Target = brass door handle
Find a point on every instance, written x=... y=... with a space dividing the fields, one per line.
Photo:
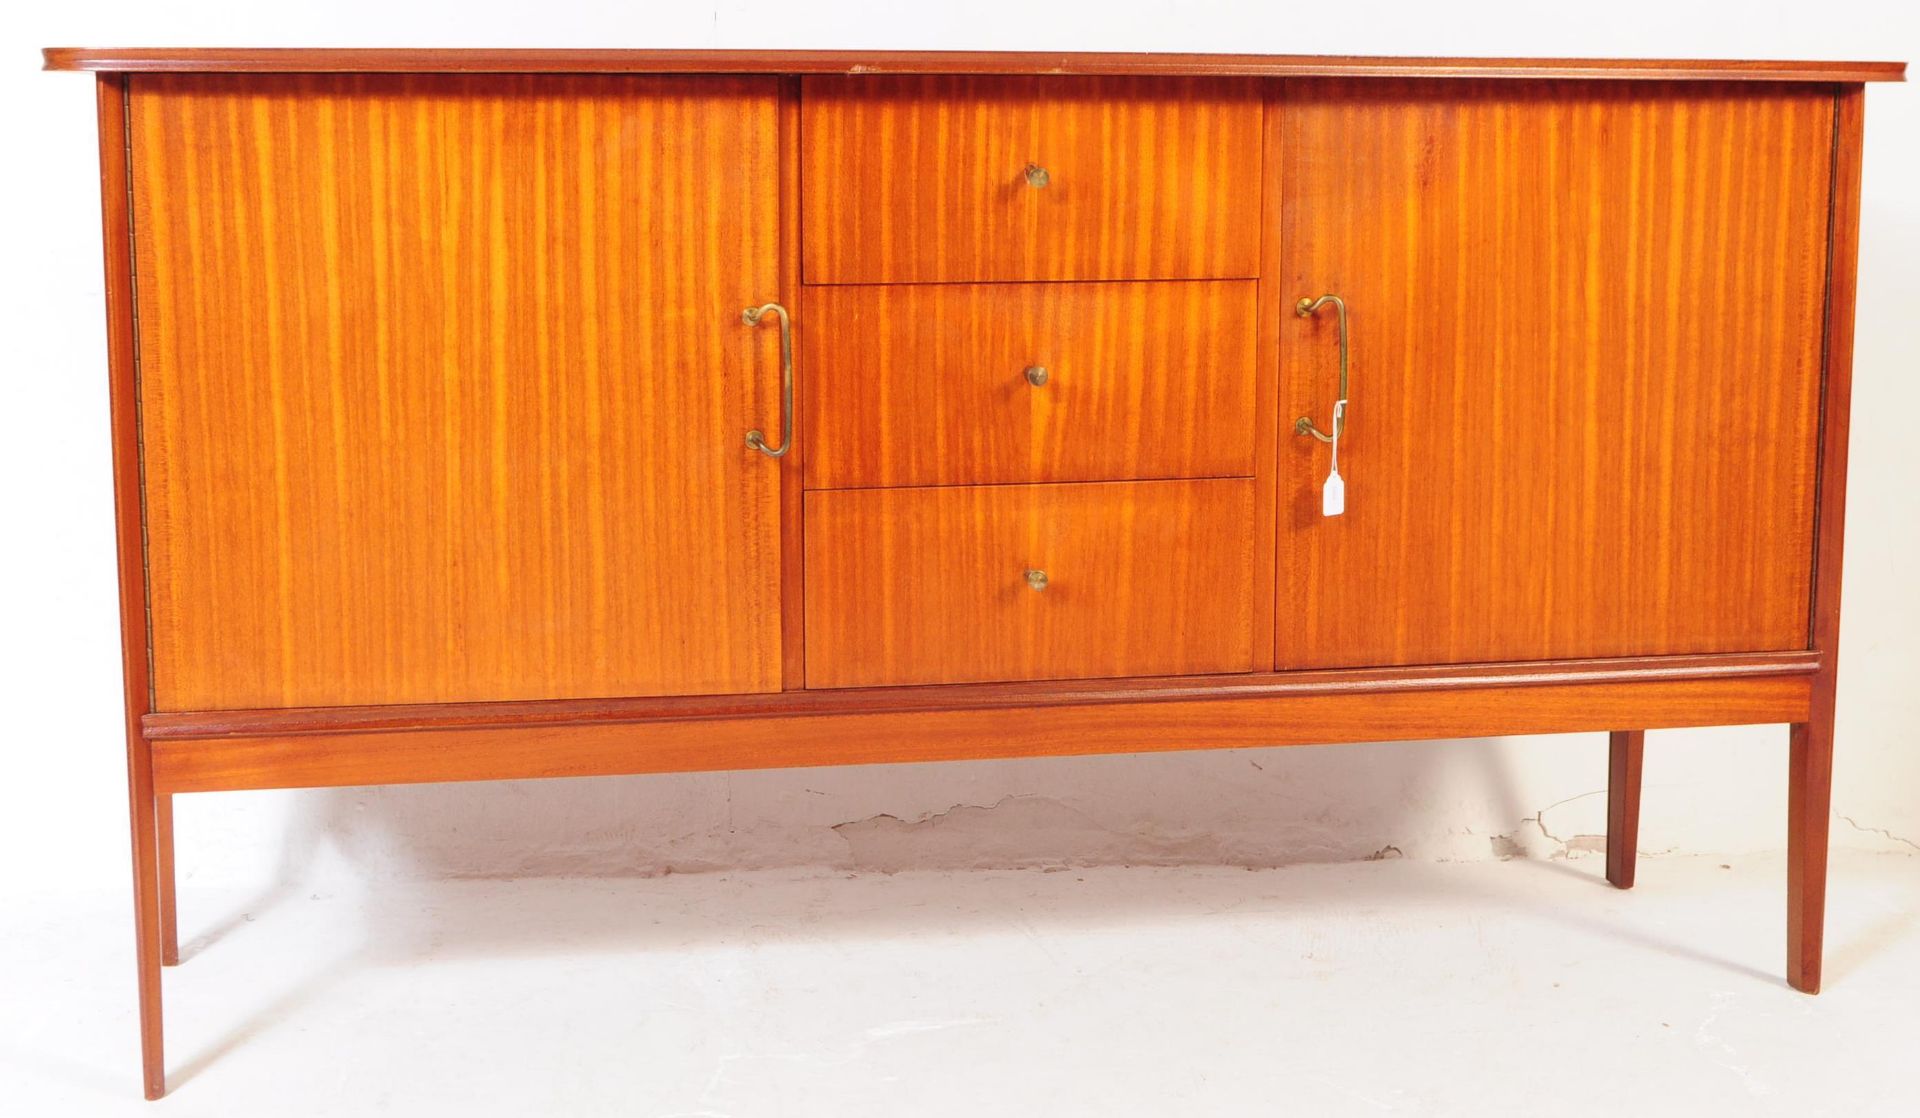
x=1036 y=176
x=753 y=316
x=1037 y=375
x=1036 y=580
x=1303 y=425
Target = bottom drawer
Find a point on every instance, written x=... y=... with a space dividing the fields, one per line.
x=963 y=584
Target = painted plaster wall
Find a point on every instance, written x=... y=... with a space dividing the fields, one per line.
x=62 y=807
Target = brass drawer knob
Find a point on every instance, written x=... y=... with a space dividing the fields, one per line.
x=1037 y=176
x=1037 y=580
x=1037 y=375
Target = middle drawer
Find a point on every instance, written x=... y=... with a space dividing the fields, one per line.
x=954 y=384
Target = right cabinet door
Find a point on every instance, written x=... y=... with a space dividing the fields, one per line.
x=1586 y=354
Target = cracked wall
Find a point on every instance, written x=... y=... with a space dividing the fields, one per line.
x=1706 y=791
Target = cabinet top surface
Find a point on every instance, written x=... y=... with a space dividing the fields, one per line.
x=312 y=60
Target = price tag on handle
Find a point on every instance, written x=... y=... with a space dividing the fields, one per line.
x=1333 y=496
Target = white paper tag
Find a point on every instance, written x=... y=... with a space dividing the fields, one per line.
x=1333 y=495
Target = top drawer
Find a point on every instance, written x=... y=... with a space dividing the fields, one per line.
x=942 y=179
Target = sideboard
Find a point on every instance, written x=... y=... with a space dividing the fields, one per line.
x=501 y=414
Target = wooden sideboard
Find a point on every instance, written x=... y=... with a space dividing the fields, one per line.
x=490 y=414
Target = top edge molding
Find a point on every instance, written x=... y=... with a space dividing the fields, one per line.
x=156 y=60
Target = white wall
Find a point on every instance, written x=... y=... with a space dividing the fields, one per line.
x=62 y=805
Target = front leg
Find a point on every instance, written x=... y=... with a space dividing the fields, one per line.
x=169 y=920
x=146 y=917
x=1809 y=803
x=1624 y=748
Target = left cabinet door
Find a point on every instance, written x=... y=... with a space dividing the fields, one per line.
x=444 y=386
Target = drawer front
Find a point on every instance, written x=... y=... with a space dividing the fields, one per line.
x=955 y=384
x=945 y=585
x=926 y=179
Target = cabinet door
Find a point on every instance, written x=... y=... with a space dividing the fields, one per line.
x=444 y=386
x=1586 y=359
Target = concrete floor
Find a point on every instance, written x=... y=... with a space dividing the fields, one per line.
x=1387 y=987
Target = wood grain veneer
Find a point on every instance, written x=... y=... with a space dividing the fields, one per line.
x=923 y=179
x=1271 y=316
x=793 y=649
x=776 y=741
x=1356 y=683
x=926 y=384
x=522 y=61
x=910 y=586
x=444 y=386
x=1586 y=380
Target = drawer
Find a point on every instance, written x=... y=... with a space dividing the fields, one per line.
x=946 y=179
x=945 y=584
x=955 y=384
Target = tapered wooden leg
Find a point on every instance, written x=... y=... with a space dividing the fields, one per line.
x=129 y=521
x=169 y=921
x=1809 y=802
x=146 y=922
x=1623 y=804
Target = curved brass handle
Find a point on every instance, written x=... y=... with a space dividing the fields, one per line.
x=1037 y=176
x=1303 y=425
x=1037 y=375
x=1037 y=580
x=753 y=316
